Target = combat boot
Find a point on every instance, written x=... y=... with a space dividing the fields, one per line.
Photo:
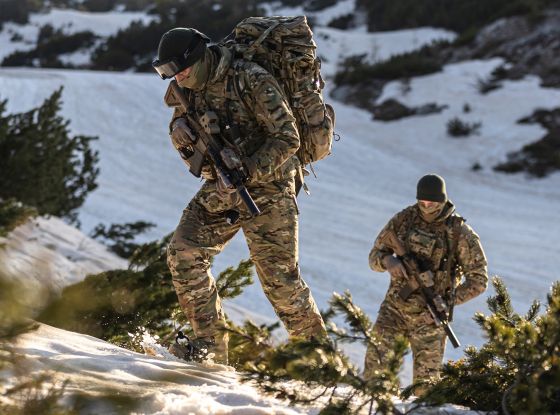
x=201 y=349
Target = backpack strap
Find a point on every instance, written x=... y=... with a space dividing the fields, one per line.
x=239 y=86
x=232 y=127
x=248 y=54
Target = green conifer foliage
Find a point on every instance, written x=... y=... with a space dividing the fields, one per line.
x=316 y=371
x=112 y=304
x=517 y=370
x=13 y=214
x=42 y=165
x=120 y=238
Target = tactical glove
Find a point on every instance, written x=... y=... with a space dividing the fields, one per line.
x=250 y=167
x=181 y=133
x=394 y=266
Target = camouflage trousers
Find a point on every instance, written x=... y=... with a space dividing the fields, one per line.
x=272 y=238
x=427 y=342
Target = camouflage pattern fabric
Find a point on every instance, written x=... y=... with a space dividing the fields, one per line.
x=272 y=238
x=426 y=341
x=268 y=133
x=269 y=138
x=430 y=243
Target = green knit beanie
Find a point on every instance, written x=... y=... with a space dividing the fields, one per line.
x=431 y=187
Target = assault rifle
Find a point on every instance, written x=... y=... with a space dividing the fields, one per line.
x=204 y=144
x=424 y=281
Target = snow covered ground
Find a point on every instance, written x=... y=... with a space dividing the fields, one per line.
x=103 y=24
x=371 y=175
x=98 y=371
x=105 y=379
x=51 y=247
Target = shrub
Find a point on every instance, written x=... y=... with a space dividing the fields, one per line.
x=17 y=10
x=99 y=5
x=42 y=166
x=406 y=65
x=342 y=22
x=112 y=304
x=135 y=47
x=13 y=214
x=517 y=370
x=119 y=238
x=542 y=156
x=50 y=44
x=458 y=15
x=304 y=371
x=318 y=5
x=486 y=85
x=538 y=159
x=458 y=128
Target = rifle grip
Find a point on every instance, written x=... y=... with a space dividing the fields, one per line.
x=408 y=289
x=196 y=161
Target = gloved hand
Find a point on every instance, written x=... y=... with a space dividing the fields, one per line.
x=181 y=133
x=250 y=168
x=394 y=266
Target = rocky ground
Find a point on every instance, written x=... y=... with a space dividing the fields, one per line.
x=529 y=45
x=541 y=157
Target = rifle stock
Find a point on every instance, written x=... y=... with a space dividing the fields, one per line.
x=419 y=280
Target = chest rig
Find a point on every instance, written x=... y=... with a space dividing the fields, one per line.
x=228 y=101
x=434 y=245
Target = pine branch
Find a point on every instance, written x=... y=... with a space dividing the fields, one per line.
x=500 y=304
x=319 y=363
x=359 y=322
x=231 y=281
x=533 y=311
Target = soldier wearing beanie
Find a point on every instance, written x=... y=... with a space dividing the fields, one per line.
x=247 y=98
x=440 y=240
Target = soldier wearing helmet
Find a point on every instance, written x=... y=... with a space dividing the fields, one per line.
x=246 y=97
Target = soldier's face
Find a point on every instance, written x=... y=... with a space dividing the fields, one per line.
x=183 y=74
x=428 y=204
x=429 y=208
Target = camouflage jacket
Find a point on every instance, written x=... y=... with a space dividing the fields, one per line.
x=431 y=244
x=257 y=105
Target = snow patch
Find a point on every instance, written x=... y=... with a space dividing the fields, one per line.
x=48 y=253
x=103 y=24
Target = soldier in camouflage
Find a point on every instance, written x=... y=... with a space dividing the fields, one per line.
x=247 y=97
x=443 y=243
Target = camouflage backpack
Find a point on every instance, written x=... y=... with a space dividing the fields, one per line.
x=284 y=46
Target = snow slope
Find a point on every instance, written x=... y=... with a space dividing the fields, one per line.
x=370 y=176
x=103 y=24
x=97 y=371
x=105 y=379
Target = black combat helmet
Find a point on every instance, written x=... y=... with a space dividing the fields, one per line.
x=178 y=49
x=431 y=187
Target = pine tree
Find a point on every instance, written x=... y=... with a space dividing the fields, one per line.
x=112 y=304
x=120 y=238
x=307 y=371
x=42 y=166
x=13 y=214
x=517 y=370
